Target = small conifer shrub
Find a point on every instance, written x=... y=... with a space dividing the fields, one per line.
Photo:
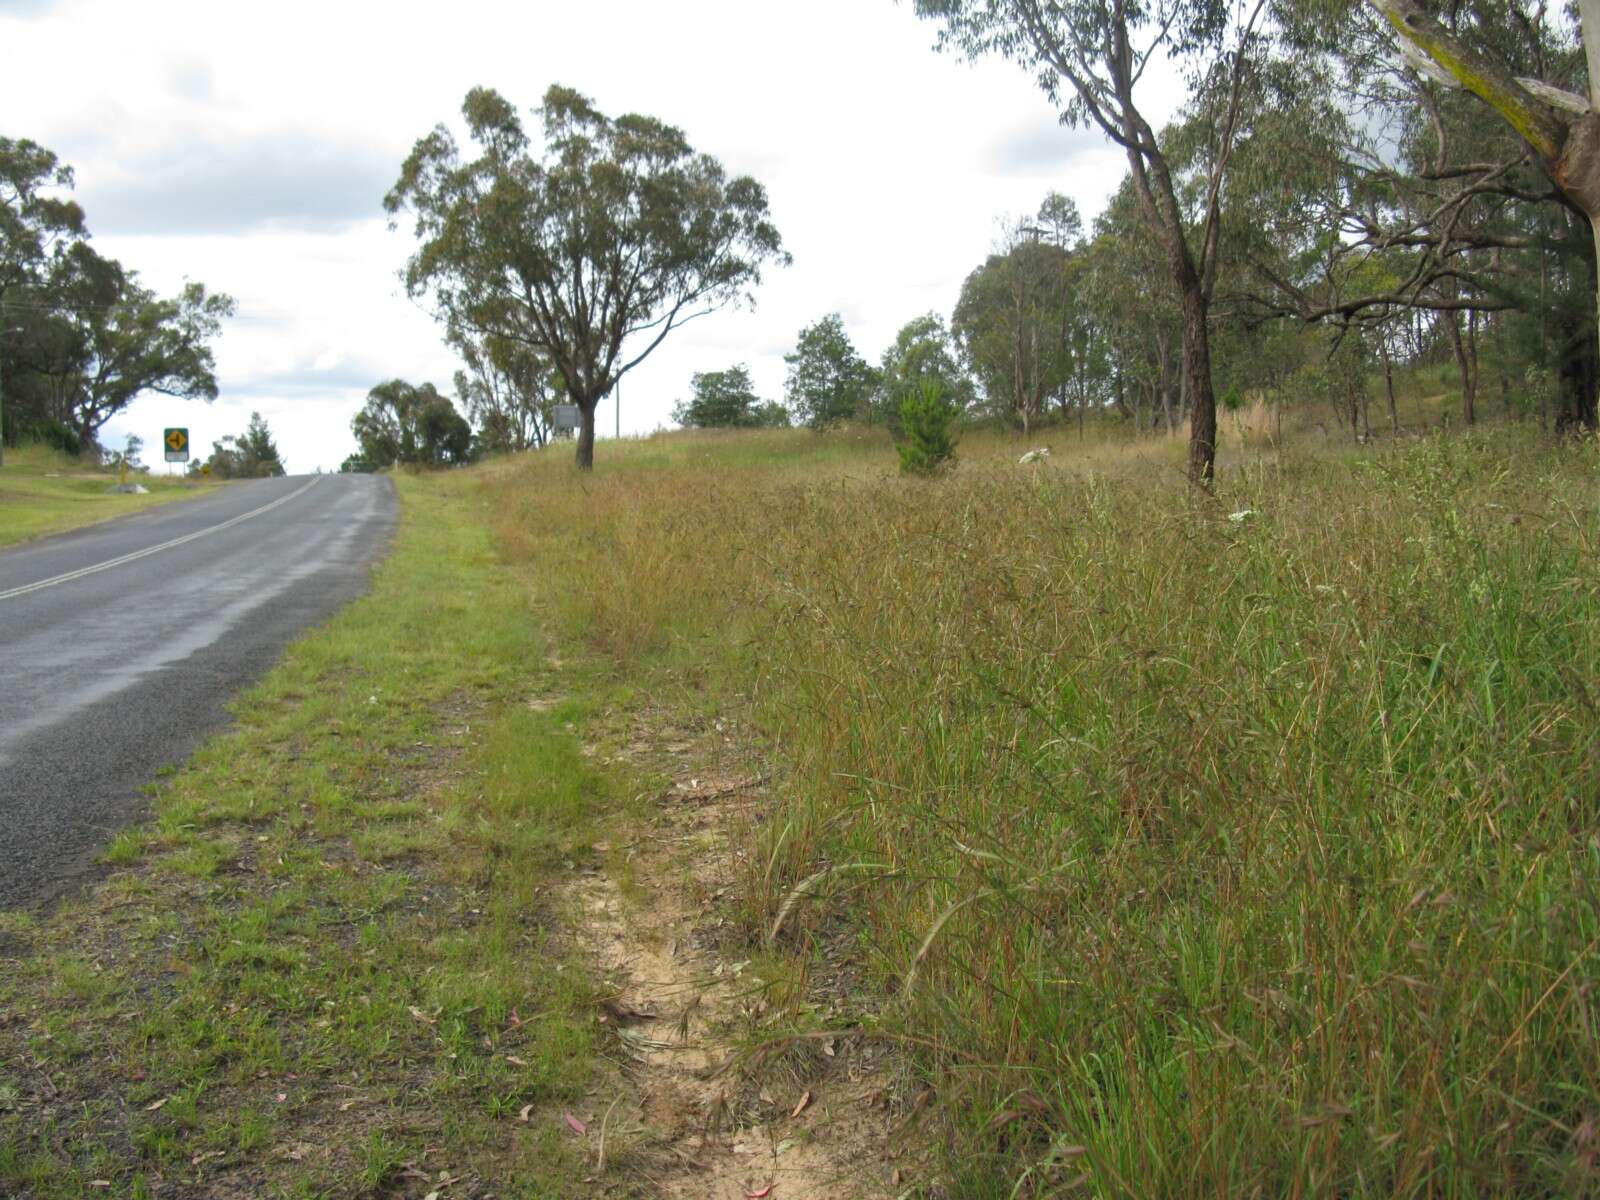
x=927 y=442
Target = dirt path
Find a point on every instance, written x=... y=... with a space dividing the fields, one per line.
x=812 y=1124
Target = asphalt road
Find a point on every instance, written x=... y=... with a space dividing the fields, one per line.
x=121 y=644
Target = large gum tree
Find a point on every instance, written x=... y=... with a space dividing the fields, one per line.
x=1561 y=128
x=1091 y=58
x=604 y=239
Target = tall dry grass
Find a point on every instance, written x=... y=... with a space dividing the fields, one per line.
x=1239 y=846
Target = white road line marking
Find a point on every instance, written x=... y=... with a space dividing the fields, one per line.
x=148 y=550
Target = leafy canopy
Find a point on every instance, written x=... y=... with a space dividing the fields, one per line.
x=927 y=420
x=414 y=425
x=720 y=400
x=34 y=223
x=251 y=455
x=828 y=380
x=80 y=336
x=921 y=353
x=1011 y=323
x=613 y=232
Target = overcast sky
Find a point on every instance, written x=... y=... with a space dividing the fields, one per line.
x=249 y=146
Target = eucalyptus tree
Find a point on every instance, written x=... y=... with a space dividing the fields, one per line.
x=80 y=336
x=921 y=353
x=1090 y=57
x=1060 y=223
x=94 y=338
x=589 y=249
x=1139 y=327
x=1089 y=383
x=720 y=400
x=413 y=424
x=36 y=222
x=1465 y=47
x=1378 y=193
x=1009 y=322
x=507 y=391
x=1079 y=331
x=828 y=380
x=133 y=341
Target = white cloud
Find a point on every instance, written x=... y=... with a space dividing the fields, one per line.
x=249 y=146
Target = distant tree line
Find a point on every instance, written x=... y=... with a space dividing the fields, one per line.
x=80 y=336
x=252 y=454
x=727 y=400
x=403 y=424
x=1347 y=191
x=1348 y=186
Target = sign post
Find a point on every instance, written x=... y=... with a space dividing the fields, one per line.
x=176 y=444
x=564 y=419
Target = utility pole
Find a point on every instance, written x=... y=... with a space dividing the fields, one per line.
x=619 y=409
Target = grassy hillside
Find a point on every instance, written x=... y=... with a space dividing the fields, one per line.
x=43 y=491
x=1229 y=845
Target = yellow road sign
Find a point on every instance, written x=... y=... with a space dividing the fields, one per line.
x=177 y=444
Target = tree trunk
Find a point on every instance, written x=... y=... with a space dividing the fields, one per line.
x=1469 y=380
x=1197 y=383
x=1163 y=384
x=586 y=433
x=1388 y=383
x=1576 y=377
x=1497 y=331
x=1589 y=410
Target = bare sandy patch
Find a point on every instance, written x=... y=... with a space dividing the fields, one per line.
x=717 y=1112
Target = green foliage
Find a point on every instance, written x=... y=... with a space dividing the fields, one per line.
x=770 y=414
x=55 y=434
x=80 y=336
x=828 y=381
x=251 y=455
x=927 y=441
x=507 y=390
x=921 y=353
x=128 y=456
x=720 y=400
x=412 y=425
x=617 y=229
x=1011 y=324
x=34 y=220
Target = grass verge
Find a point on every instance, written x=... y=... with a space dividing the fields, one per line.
x=1233 y=846
x=44 y=492
x=324 y=967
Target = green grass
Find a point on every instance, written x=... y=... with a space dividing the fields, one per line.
x=1231 y=845
x=44 y=492
x=309 y=969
